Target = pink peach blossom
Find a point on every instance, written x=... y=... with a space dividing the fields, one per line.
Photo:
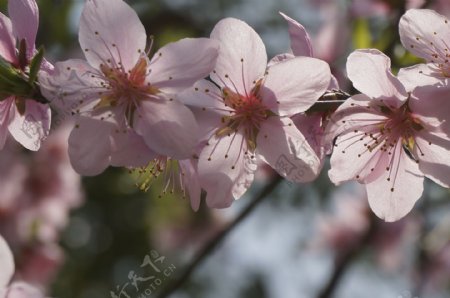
x=124 y=103
x=246 y=115
x=388 y=138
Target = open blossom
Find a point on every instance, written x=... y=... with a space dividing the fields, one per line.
x=426 y=34
x=124 y=103
x=16 y=289
x=245 y=114
x=27 y=120
x=387 y=138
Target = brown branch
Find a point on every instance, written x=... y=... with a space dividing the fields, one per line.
x=218 y=239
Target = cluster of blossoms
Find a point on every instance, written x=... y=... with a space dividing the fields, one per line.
x=158 y=114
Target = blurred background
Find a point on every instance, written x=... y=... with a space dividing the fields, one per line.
x=103 y=237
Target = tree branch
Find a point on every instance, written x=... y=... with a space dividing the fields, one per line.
x=218 y=239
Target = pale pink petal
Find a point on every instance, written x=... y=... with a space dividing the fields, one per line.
x=419 y=75
x=349 y=129
x=242 y=55
x=292 y=157
x=191 y=182
x=7 y=40
x=310 y=127
x=225 y=171
x=355 y=113
x=23 y=290
x=279 y=58
x=294 y=85
x=90 y=146
x=431 y=105
x=300 y=40
x=24 y=16
x=168 y=127
x=209 y=121
x=394 y=198
x=180 y=64
x=130 y=150
x=425 y=33
x=110 y=29
x=334 y=84
x=433 y=152
x=204 y=94
x=73 y=85
x=205 y=101
x=369 y=71
x=6 y=112
x=46 y=66
x=6 y=263
x=31 y=128
x=332 y=40
x=351 y=159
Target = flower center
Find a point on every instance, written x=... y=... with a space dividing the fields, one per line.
x=400 y=125
x=399 y=128
x=247 y=113
x=125 y=89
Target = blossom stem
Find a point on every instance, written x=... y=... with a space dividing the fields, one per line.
x=218 y=239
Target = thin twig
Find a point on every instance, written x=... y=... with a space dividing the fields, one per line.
x=213 y=243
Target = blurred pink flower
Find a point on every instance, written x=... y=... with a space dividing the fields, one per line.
x=39 y=264
x=120 y=97
x=342 y=228
x=27 y=120
x=438 y=269
x=368 y=8
x=331 y=42
x=345 y=225
x=301 y=44
x=443 y=6
x=37 y=204
x=16 y=289
x=249 y=112
x=388 y=138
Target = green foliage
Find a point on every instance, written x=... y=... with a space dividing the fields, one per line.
x=362 y=37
